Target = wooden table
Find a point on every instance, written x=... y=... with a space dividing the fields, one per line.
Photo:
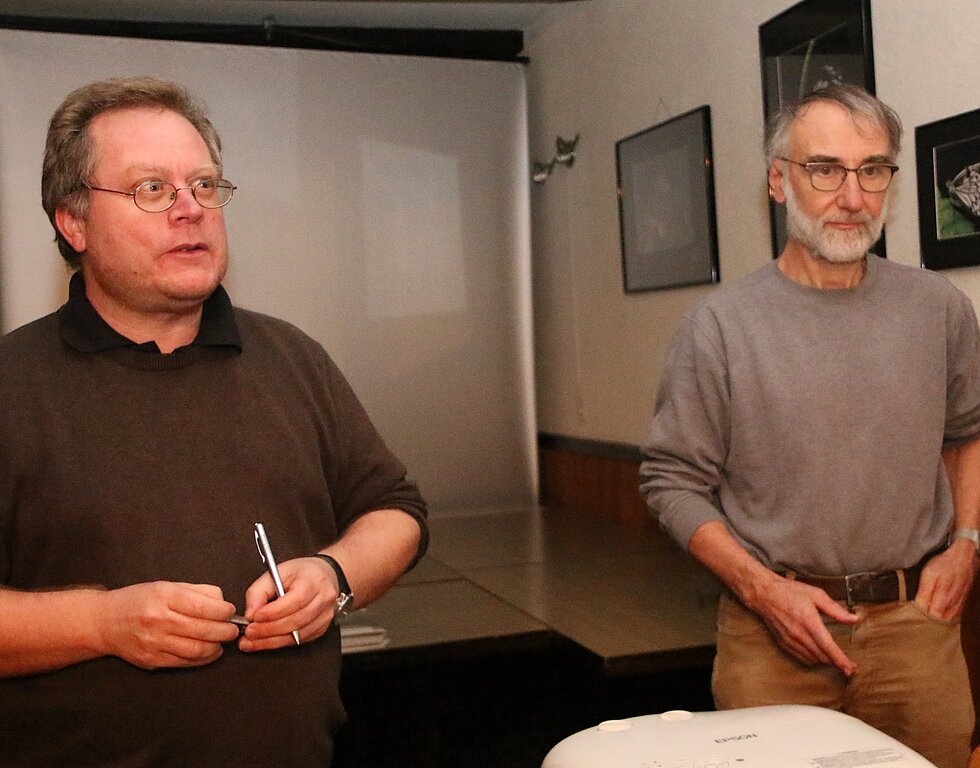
x=627 y=596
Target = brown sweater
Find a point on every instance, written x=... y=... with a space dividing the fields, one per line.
x=119 y=467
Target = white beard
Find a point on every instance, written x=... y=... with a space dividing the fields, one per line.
x=830 y=244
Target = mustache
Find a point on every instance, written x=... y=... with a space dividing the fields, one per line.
x=850 y=218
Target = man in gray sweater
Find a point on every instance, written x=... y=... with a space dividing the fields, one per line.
x=815 y=445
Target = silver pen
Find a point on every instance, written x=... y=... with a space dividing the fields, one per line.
x=265 y=551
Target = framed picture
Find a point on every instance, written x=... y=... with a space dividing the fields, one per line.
x=947 y=162
x=665 y=183
x=810 y=45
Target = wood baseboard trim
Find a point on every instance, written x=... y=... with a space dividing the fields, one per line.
x=592 y=475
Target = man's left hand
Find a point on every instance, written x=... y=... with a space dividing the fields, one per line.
x=308 y=605
x=946 y=580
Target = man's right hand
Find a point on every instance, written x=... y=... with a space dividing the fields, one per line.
x=794 y=613
x=159 y=624
x=166 y=624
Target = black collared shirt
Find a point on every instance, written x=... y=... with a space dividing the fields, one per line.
x=83 y=329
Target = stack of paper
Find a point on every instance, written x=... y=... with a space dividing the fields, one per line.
x=359 y=633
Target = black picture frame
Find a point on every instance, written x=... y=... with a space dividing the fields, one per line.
x=665 y=184
x=947 y=162
x=811 y=44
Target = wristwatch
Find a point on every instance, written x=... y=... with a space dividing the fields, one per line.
x=345 y=599
x=967 y=533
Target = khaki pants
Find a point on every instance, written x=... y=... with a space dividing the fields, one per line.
x=911 y=681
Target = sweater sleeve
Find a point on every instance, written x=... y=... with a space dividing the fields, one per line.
x=963 y=372
x=368 y=476
x=688 y=441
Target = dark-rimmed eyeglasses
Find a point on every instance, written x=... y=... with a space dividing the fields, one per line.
x=156 y=196
x=829 y=177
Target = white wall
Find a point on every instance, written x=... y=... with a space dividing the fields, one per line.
x=615 y=67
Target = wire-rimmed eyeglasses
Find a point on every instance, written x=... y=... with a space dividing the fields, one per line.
x=156 y=196
x=829 y=177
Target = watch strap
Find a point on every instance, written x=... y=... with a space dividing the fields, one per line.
x=346 y=596
x=971 y=534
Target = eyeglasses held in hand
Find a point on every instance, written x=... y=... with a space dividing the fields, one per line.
x=156 y=196
x=829 y=177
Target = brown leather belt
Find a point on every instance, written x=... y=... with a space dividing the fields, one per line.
x=871 y=587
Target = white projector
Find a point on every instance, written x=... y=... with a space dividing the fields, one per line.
x=785 y=736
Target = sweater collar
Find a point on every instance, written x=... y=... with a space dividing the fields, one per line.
x=83 y=329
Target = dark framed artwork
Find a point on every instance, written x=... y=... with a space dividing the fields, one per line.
x=665 y=183
x=810 y=45
x=947 y=162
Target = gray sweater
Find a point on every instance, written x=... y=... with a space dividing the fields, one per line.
x=811 y=421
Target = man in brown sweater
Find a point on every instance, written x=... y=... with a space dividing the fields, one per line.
x=144 y=428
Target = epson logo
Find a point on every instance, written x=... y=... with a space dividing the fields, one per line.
x=740 y=737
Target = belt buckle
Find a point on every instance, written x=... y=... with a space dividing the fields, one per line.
x=853 y=582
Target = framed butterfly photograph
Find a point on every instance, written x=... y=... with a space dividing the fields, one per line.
x=947 y=161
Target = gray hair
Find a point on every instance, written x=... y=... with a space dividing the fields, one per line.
x=858 y=103
x=69 y=153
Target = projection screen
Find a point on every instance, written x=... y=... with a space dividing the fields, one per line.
x=382 y=207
